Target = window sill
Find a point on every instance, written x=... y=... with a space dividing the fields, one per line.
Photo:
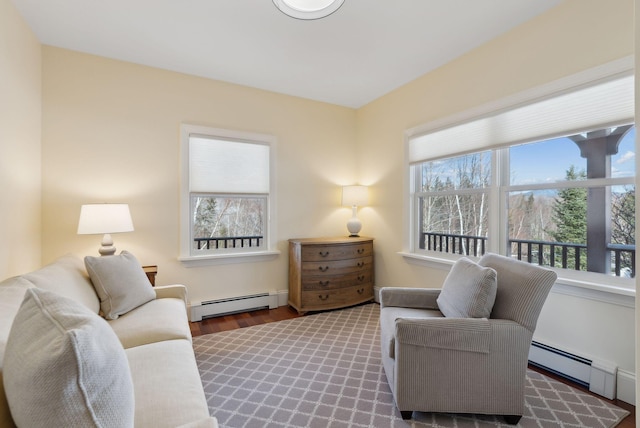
x=229 y=258
x=603 y=292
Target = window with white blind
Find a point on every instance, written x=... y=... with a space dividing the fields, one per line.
x=546 y=176
x=227 y=193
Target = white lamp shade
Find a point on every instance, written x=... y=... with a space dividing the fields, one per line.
x=104 y=218
x=355 y=195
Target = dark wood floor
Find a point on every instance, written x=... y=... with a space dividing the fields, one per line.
x=247 y=319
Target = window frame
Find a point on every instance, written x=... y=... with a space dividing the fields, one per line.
x=268 y=250
x=590 y=285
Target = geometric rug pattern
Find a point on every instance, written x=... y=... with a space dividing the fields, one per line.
x=324 y=370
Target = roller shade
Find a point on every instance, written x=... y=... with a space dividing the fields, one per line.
x=597 y=106
x=222 y=166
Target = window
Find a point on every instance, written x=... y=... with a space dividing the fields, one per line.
x=550 y=180
x=453 y=204
x=569 y=202
x=227 y=193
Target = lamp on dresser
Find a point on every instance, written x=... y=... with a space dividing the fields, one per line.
x=105 y=219
x=352 y=196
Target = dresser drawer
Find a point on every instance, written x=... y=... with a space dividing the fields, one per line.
x=338 y=297
x=336 y=267
x=329 y=282
x=336 y=252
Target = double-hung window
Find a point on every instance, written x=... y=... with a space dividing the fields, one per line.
x=227 y=193
x=548 y=177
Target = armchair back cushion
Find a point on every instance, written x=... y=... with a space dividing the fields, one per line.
x=522 y=289
x=468 y=291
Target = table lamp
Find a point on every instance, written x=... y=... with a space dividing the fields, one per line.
x=105 y=219
x=353 y=196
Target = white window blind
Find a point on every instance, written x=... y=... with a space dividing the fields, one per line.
x=221 y=166
x=594 y=107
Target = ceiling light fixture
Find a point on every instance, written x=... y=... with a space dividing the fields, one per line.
x=308 y=9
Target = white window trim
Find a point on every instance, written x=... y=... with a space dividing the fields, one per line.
x=612 y=290
x=270 y=252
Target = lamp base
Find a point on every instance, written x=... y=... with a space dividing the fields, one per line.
x=354 y=224
x=107 y=248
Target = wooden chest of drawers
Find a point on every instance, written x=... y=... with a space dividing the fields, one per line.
x=330 y=273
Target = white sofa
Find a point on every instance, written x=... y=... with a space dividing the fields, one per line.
x=155 y=337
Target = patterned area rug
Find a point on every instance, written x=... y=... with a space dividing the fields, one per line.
x=324 y=370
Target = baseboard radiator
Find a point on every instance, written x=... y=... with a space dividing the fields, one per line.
x=231 y=305
x=599 y=377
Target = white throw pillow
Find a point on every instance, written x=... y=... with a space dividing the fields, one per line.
x=469 y=291
x=120 y=283
x=65 y=367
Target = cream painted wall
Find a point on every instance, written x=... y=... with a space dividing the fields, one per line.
x=111 y=134
x=20 y=117
x=575 y=36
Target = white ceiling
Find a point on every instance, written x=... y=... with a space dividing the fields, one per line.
x=361 y=52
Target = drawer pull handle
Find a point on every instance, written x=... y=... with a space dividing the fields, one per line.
x=323 y=253
x=323 y=296
x=360 y=278
x=360 y=290
x=323 y=268
x=324 y=283
x=360 y=264
x=360 y=250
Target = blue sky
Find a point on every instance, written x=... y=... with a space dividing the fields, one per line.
x=532 y=163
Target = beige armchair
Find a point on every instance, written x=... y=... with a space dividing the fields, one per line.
x=438 y=363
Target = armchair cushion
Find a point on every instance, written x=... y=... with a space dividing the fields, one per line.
x=120 y=282
x=469 y=291
x=522 y=289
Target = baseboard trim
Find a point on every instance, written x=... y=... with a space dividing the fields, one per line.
x=626 y=387
x=283 y=297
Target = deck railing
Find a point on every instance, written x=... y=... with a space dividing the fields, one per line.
x=227 y=242
x=544 y=253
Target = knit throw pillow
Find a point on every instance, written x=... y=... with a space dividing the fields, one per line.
x=65 y=367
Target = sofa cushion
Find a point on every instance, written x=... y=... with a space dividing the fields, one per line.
x=157 y=320
x=120 y=283
x=167 y=384
x=64 y=366
x=66 y=276
x=469 y=291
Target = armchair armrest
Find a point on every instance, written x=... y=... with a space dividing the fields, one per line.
x=460 y=334
x=404 y=297
x=464 y=334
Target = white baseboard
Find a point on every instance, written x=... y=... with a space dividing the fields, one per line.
x=376 y=293
x=283 y=297
x=211 y=308
x=626 y=388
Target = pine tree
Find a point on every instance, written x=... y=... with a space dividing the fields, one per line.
x=570 y=216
